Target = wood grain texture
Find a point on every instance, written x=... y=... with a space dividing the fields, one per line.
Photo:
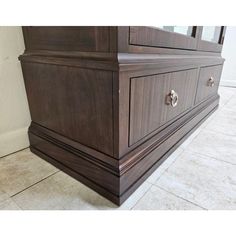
x=74 y=102
x=85 y=38
x=118 y=188
x=154 y=155
x=97 y=99
x=203 y=45
x=148 y=110
x=154 y=37
x=204 y=91
x=98 y=174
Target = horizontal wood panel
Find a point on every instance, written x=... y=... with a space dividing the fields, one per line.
x=148 y=110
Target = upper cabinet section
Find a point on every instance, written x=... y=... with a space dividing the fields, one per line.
x=76 y=38
x=196 y=38
x=181 y=37
x=103 y=42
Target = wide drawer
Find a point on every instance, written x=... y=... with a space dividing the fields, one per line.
x=209 y=79
x=151 y=104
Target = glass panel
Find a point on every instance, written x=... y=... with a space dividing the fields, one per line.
x=211 y=33
x=185 y=30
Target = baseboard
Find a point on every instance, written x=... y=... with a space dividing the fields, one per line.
x=13 y=141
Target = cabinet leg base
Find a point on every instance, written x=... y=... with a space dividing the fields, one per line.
x=123 y=185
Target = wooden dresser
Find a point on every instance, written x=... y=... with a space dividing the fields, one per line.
x=110 y=104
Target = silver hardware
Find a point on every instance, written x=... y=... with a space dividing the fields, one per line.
x=211 y=82
x=172 y=98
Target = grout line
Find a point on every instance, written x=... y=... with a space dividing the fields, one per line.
x=132 y=208
x=217 y=132
x=12 y=153
x=190 y=141
x=181 y=197
x=34 y=184
x=209 y=156
x=220 y=132
x=182 y=150
x=170 y=165
x=158 y=177
x=16 y=203
x=226 y=102
x=228 y=86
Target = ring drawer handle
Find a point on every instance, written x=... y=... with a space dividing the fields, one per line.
x=211 y=82
x=172 y=98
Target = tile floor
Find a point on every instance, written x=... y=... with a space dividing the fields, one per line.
x=199 y=175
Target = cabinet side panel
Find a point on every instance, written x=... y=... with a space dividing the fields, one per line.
x=86 y=39
x=71 y=101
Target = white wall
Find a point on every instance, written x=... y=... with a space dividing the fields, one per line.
x=14 y=111
x=229 y=53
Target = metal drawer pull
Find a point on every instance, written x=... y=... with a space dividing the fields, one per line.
x=211 y=82
x=172 y=98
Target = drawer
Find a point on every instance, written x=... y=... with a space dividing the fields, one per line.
x=209 y=79
x=151 y=104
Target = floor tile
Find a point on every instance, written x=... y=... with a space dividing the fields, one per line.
x=9 y=205
x=161 y=169
x=189 y=140
x=158 y=199
x=3 y=195
x=202 y=180
x=21 y=170
x=226 y=93
x=185 y=144
x=224 y=122
x=135 y=197
x=60 y=191
x=196 y=174
x=231 y=104
x=215 y=145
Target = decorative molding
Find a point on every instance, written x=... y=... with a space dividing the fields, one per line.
x=129 y=182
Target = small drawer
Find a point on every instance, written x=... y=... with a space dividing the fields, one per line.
x=157 y=99
x=208 y=83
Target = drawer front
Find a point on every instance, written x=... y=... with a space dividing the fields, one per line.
x=149 y=97
x=209 y=79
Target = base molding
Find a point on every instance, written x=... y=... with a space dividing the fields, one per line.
x=108 y=179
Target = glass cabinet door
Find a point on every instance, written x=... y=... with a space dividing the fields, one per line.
x=185 y=30
x=200 y=38
x=211 y=33
x=212 y=38
x=179 y=37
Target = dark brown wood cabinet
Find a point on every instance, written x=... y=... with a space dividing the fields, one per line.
x=110 y=104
